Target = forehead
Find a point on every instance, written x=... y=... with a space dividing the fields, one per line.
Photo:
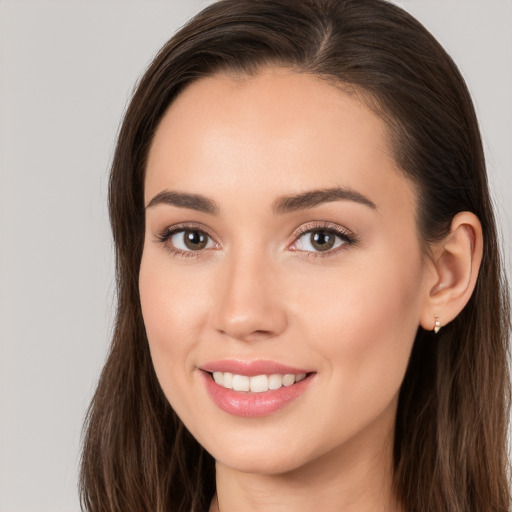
x=277 y=132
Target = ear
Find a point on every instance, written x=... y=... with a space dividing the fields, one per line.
x=454 y=269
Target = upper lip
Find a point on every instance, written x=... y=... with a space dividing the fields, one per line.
x=251 y=368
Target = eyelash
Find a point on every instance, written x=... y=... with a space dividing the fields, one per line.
x=348 y=238
x=164 y=236
x=345 y=235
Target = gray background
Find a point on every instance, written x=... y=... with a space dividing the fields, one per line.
x=67 y=69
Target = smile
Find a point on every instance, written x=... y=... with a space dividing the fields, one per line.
x=257 y=383
x=254 y=389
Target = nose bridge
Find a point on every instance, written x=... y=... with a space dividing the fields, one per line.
x=248 y=304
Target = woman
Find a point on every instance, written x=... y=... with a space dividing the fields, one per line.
x=311 y=310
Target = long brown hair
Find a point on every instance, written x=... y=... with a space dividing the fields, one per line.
x=451 y=428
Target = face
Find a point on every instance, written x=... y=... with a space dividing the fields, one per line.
x=282 y=280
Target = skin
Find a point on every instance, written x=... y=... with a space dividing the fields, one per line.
x=257 y=291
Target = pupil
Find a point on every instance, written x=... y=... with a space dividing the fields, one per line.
x=195 y=240
x=322 y=240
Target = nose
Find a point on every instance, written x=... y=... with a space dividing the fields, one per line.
x=249 y=305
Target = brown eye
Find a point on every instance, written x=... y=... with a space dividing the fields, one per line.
x=195 y=240
x=187 y=240
x=322 y=240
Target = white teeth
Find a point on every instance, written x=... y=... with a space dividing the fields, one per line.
x=241 y=383
x=228 y=380
x=275 y=381
x=288 y=379
x=257 y=383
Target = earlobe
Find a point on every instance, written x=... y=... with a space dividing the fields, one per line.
x=455 y=265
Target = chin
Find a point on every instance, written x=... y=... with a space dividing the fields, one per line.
x=261 y=456
x=261 y=463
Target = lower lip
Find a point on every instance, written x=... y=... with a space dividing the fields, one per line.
x=252 y=405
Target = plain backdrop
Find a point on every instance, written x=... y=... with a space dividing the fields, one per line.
x=67 y=69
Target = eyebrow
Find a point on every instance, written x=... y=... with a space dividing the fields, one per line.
x=312 y=198
x=185 y=200
x=283 y=204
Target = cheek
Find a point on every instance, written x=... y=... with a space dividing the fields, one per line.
x=172 y=310
x=364 y=323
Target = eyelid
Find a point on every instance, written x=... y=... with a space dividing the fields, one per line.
x=183 y=226
x=163 y=236
x=347 y=235
x=342 y=232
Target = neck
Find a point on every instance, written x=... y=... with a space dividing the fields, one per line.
x=356 y=477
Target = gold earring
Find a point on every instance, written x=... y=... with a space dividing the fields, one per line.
x=437 y=324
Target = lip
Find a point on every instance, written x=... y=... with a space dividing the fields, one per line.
x=251 y=368
x=247 y=404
